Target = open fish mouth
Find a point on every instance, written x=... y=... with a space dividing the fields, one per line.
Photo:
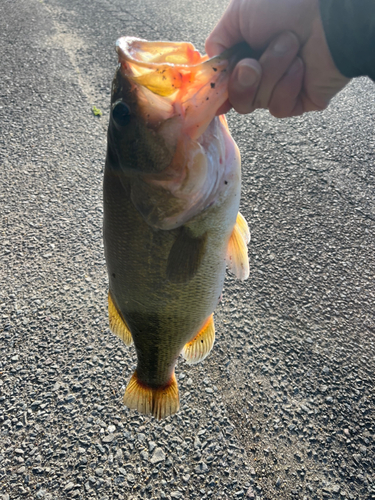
x=175 y=79
x=149 y=54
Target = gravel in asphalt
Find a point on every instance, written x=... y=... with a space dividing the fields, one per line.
x=283 y=408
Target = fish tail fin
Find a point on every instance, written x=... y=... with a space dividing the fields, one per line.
x=160 y=402
x=199 y=348
x=117 y=324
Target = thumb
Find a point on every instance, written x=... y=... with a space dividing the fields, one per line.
x=226 y=33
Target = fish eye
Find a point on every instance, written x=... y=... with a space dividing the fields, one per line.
x=121 y=113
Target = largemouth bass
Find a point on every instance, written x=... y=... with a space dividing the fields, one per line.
x=171 y=223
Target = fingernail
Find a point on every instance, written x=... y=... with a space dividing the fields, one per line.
x=284 y=43
x=247 y=76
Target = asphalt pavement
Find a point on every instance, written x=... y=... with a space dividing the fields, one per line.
x=283 y=408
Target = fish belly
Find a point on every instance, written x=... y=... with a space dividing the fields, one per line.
x=162 y=316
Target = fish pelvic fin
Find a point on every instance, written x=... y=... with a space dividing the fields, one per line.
x=117 y=324
x=160 y=402
x=237 y=258
x=185 y=256
x=199 y=348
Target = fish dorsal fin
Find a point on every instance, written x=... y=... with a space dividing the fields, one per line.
x=199 y=348
x=237 y=259
x=117 y=324
x=160 y=402
x=185 y=256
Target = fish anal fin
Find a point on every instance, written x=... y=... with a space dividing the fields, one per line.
x=159 y=402
x=237 y=258
x=117 y=324
x=198 y=349
x=185 y=256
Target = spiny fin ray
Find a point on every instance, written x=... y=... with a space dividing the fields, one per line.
x=117 y=324
x=199 y=348
x=237 y=258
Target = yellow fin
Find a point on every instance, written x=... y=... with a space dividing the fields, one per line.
x=237 y=259
x=243 y=228
x=199 y=348
x=117 y=323
x=160 y=402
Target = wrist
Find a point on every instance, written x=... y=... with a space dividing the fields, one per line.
x=322 y=79
x=350 y=34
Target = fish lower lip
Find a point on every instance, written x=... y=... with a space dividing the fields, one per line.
x=236 y=53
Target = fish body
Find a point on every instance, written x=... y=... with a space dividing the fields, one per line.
x=171 y=224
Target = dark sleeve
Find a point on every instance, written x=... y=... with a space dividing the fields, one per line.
x=349 y=26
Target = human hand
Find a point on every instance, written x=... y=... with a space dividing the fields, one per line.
x=296 y=72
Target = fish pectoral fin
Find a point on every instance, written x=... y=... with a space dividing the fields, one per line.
x=185 y=256
x=236 y=258
x=199 y=348
x=117 y=324
x=160 y=402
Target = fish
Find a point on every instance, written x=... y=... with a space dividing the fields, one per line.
x=171 y=196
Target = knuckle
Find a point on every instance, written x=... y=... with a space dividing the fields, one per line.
x=262 y=101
